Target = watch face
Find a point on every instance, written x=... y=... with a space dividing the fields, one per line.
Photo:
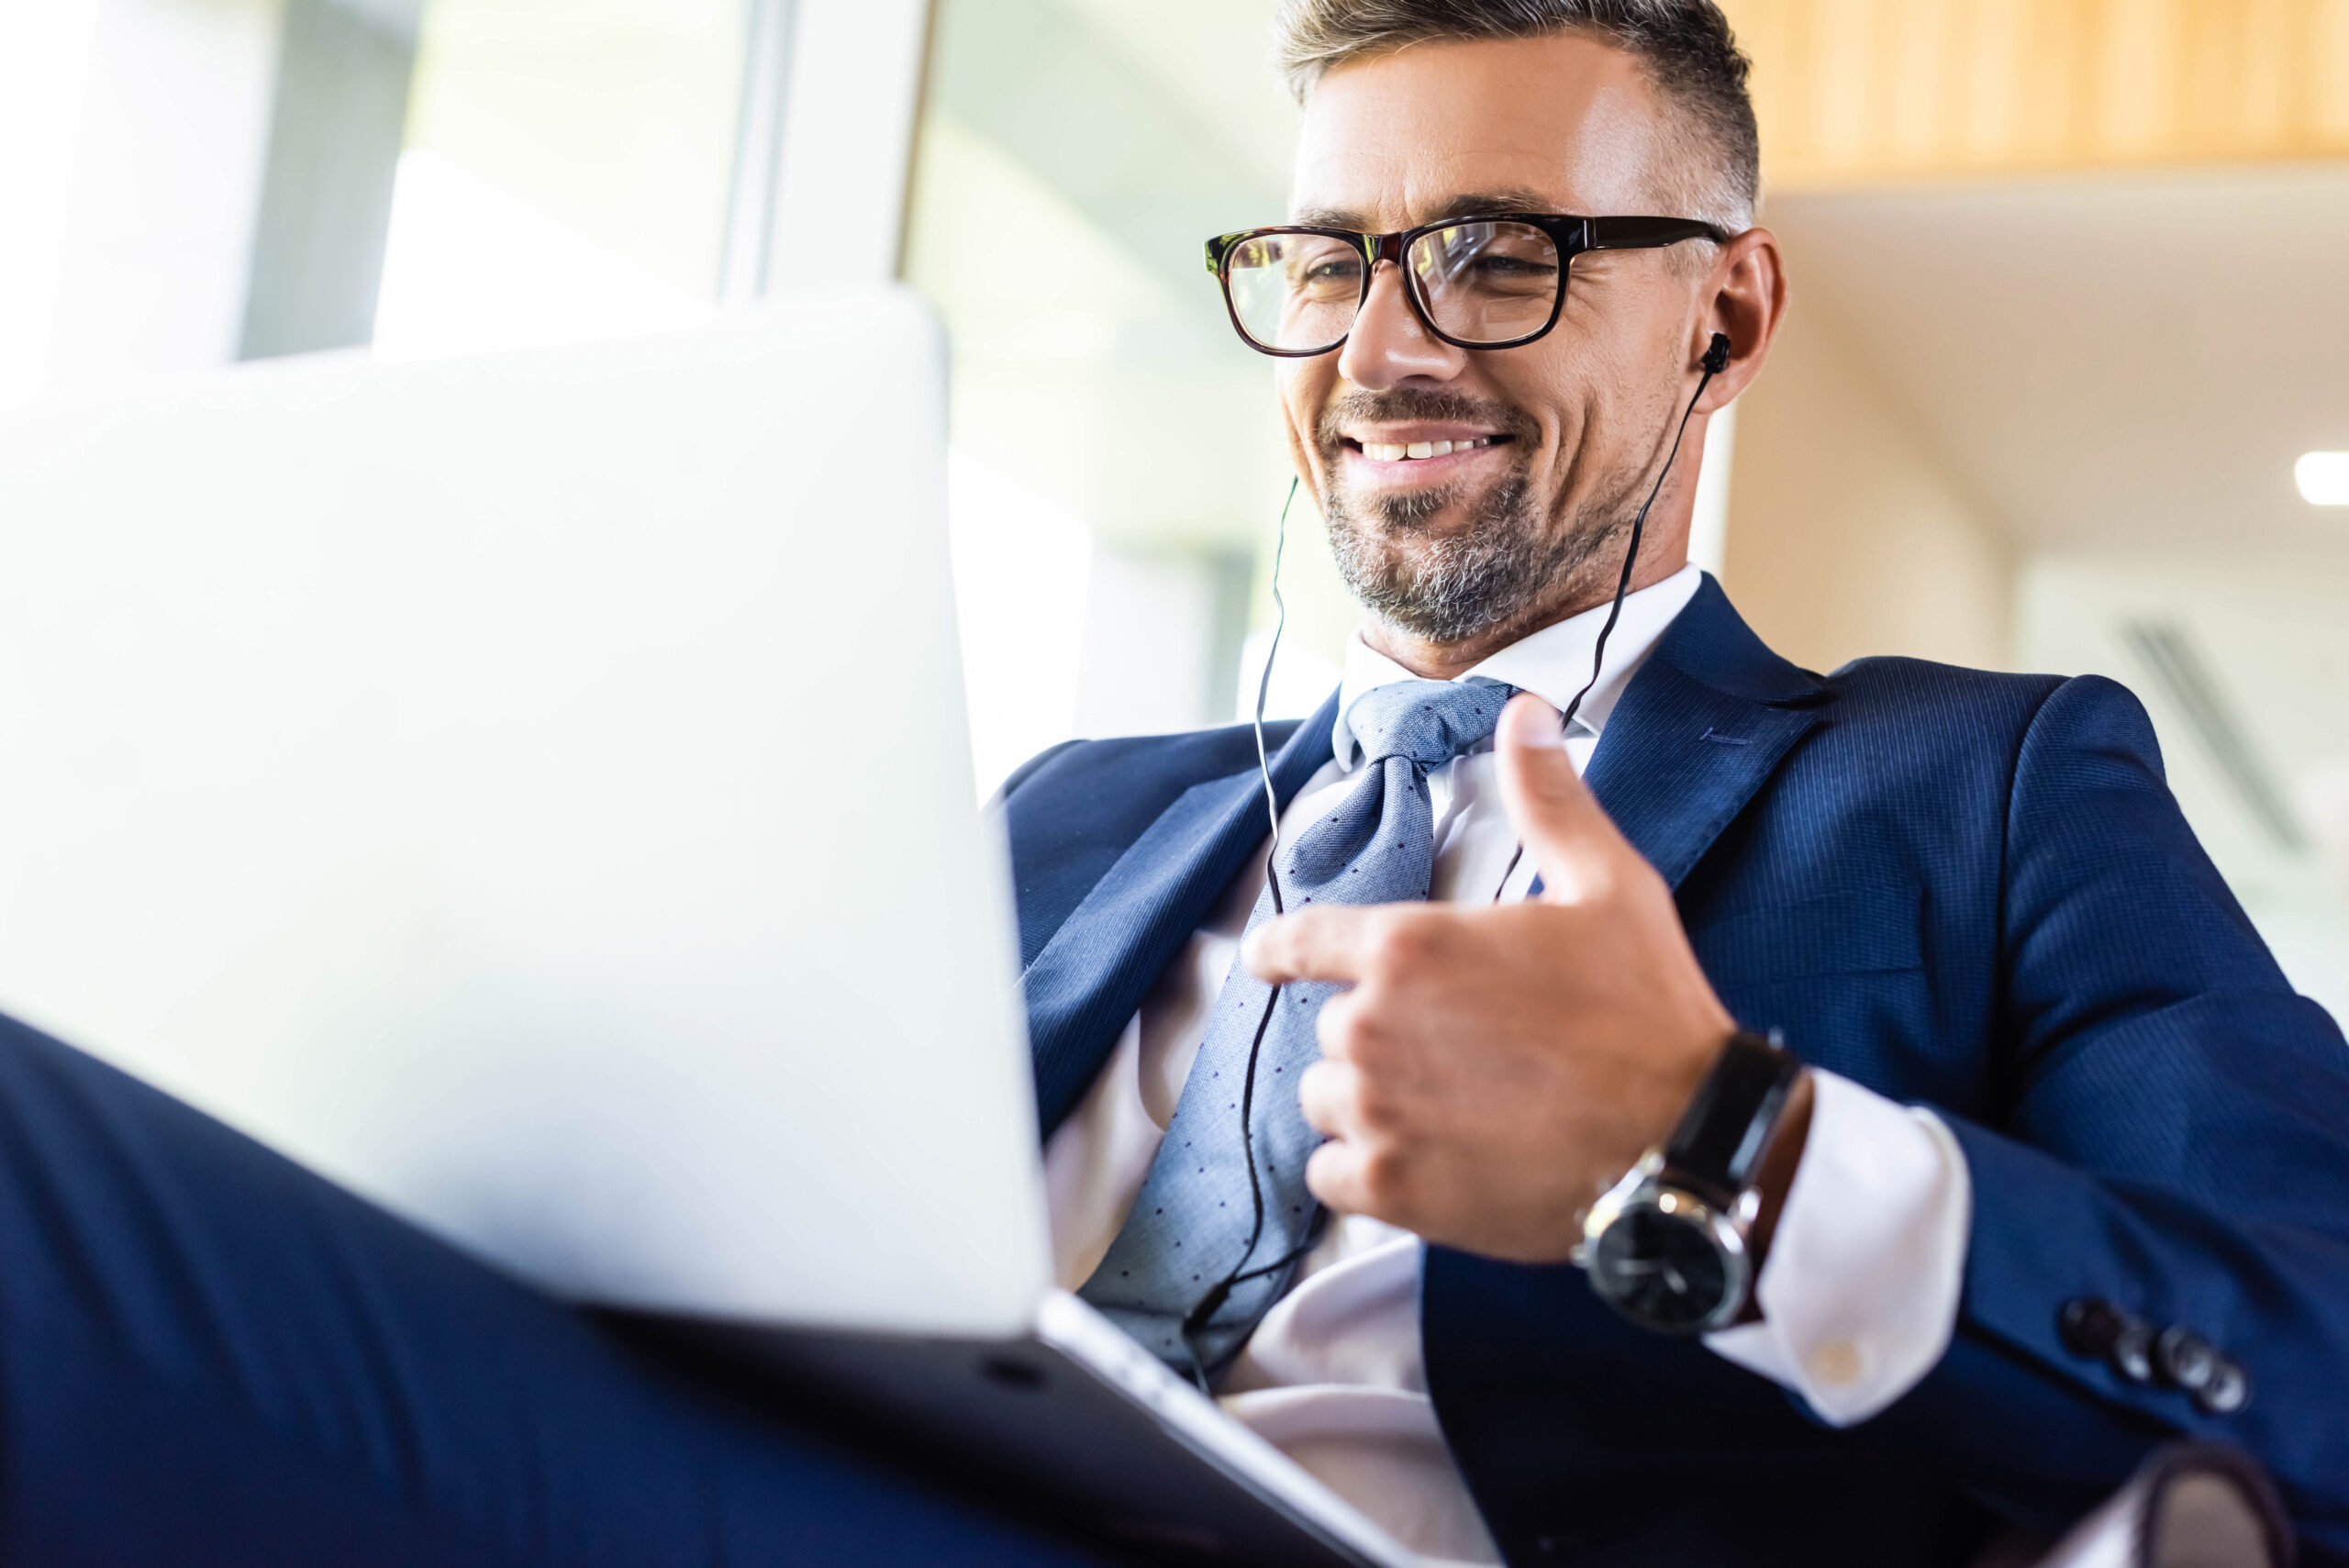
x=1664 y=1271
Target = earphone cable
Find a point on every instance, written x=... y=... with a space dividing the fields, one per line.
x=1203 y=1311
x=1263 y=690
x=1716 y=358
x=1631 y=555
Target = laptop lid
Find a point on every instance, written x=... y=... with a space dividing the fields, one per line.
x=533 y=790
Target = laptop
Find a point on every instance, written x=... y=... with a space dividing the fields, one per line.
x=533 y=791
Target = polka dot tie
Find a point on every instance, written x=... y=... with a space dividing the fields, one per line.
x=1191 y=1227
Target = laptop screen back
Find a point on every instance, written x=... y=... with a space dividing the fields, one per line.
x=534 y=791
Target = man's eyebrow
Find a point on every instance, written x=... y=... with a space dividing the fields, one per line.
x=1468 y=203
x=1476 y=204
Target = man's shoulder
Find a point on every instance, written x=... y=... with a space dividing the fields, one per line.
x=1894 y=704
x=1960 y=705
x=1916 y=728
x=1896 y=678
x=1084 y=768
x=1071 y=811
x=1076 y=781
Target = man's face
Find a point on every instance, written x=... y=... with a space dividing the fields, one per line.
x=1499 y=538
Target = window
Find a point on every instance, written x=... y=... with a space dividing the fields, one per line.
x=1117 y=466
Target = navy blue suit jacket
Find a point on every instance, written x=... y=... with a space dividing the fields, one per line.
x=1968 y=890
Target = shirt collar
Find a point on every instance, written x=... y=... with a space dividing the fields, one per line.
x=1551 y=663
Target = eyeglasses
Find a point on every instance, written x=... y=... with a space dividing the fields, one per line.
x=1476 y=283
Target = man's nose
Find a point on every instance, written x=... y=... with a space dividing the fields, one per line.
x=1390 y=343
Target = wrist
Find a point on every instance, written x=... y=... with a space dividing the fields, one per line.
x=1676 y=1245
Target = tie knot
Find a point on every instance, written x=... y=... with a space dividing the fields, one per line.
x=1429 y=722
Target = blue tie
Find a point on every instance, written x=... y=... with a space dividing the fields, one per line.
x=1192 y=1224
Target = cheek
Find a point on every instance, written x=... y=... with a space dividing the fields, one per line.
x=1599 y=412
x=1561 y=405
x=1303 y=388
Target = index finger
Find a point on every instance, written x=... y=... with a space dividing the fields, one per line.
x=1326 y=942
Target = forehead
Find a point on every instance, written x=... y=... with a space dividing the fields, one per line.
x=1562 y=123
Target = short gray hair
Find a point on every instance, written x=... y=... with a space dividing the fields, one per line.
x=1685 y=45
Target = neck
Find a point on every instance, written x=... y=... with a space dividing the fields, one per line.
x=1447 y=661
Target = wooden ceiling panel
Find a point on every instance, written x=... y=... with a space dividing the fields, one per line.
x=1858 y=91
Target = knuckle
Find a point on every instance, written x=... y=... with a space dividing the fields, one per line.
x=1554 y=786
x=1400 y=945
x=1360 y=1035
x=1589 y=883
x=1384 y=1175
x=1339 y=1027
x=1374 y=1106
x=1331 y=1175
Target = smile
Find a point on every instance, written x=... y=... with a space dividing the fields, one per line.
x=1416 y=451
x=1408 y=458
x=1412 y=451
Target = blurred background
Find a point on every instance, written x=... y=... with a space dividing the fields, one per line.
x=2069 y=314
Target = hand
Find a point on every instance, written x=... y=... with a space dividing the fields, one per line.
x=1493 y=1071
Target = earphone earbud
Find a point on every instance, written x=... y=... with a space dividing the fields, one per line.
x=1717 y=354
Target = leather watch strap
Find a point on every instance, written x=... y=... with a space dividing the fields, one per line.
x=1726 y=1129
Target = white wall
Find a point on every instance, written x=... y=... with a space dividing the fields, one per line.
x=1848 y=534
x=2274 y=640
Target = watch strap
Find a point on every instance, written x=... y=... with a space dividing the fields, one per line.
x=1726 y=1129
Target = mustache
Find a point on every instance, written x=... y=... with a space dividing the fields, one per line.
x=1400 y=404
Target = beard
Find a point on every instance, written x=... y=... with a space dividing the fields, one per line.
x=1504 y=564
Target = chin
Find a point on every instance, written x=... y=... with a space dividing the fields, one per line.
x=1404 y=514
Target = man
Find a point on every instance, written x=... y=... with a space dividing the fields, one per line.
x=2112 y=1214
x=2046 y=1173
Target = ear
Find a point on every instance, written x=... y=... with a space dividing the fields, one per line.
x=1748 y=299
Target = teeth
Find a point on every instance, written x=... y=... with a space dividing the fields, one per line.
x=1388 y=451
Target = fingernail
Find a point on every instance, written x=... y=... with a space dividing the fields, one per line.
x=1529 y=721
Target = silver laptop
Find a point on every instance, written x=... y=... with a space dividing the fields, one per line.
x=533 y=791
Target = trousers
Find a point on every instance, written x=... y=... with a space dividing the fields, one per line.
x=210 y=1355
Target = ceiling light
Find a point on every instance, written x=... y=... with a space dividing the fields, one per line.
x=2324 y=478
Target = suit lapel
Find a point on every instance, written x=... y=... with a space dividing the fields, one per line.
x=1703 y=724
x=1684 y=763
x=1095 y=970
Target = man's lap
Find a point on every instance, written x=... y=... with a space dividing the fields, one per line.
x=208 y=1354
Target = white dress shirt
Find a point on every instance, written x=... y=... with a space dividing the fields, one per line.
x=1859 y=1295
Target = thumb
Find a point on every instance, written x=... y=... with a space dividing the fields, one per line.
x=1557 y=818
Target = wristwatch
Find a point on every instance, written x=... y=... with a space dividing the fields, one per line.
x=1668 y=1246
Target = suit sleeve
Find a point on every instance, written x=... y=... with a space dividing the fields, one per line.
x=2174 y=1141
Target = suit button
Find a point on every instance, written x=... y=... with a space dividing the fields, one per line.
x=2186 y=1359
x=2228 y=1391
x=2132 y=1354
x=2089 y=1325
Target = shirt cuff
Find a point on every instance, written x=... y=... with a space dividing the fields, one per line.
x=1859 y=1296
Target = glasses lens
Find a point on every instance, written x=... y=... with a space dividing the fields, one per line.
x=1486 y=282
x=1297 y=292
